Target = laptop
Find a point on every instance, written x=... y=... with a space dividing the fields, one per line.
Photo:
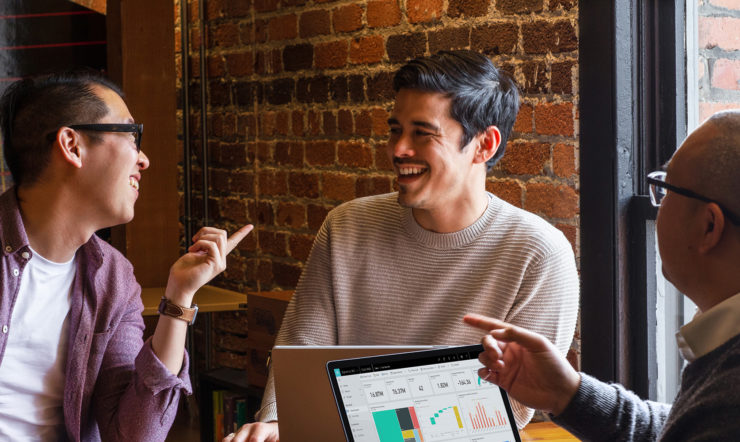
x=423 y=396
x=305 y=404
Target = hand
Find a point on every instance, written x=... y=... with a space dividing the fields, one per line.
x=205 y=259
x=526 y=365
x=256 y=432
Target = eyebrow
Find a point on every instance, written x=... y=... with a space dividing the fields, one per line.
x=424 y=124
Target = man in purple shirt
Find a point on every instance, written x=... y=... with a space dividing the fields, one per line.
x=72 y=361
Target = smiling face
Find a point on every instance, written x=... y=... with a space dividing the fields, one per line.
x=433 y=172
x=111 y=166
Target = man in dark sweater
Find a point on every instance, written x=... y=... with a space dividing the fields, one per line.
x=698 y=230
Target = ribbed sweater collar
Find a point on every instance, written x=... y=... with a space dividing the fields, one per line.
x=452 y=240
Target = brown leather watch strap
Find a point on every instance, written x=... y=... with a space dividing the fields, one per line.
x=187 y=314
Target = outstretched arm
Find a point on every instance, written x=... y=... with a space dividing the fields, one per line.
x=205 y=259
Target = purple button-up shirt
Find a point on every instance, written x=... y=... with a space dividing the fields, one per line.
x=116 y=388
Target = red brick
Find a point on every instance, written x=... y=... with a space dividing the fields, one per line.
x=225 y=35
x=564 y=160
x=372 y=185
x=383 y=13
x=448 y=38
x=347 y=18
x=363 y=123
x=246 y=33
x=314 y=122
x=291 y=215
x=406 y=46
x=535 y=77
x=354 y=154
x=213 y=10
x=554 y=119
x=541 y=37
x=316 y=215
x=567 y=5
x=345 y=121
x=289 y=153
x=495 y=39
x=265 y=5
x=551 y=200
x=468 y=8
x=247 y=126
x=313 y=23
x=727 y=4
x=382 y=162
x=240 y=64
x=260 y=31
x=524 y=120
x=338 y=186
x=218 y=179
x=525 y=158
x=379 y=117
x=273 y=243
x=300 y=246
x=234 y=210
x=273 y=182
x=264 y=152
x=242 y=182
x=305 y=185
x=236 y=361
x=216 y=67
x=508 y=190
x=366 y=49
x=320 y=153
x=332 y=54
x=232 y=154
x=571 y=234
x=419 y=11
x=237 y=8
x=264 y=272
x=726 y=73
x=706 y=110
x=282 y=123
x=719 y=32
x=519 y=6
x=268 y=120
x=283 y=27
x=297 y=123
x=286 y=275
x=330 y=123
x=562 y=77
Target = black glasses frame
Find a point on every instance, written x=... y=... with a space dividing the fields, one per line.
x=651 y=179
x=136 y=128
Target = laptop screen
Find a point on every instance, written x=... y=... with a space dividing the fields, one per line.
x=423 y=396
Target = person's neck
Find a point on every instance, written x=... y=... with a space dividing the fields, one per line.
x=457 y=216
x=56 y=227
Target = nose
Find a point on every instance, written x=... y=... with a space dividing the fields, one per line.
x=401 y=147
x=142 y=161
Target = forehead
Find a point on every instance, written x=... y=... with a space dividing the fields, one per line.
x=117 y=110
x=421 y=105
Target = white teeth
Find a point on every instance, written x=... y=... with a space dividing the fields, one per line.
x=410 y=170
x=133 y=182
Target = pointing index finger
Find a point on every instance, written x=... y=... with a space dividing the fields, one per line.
x=237 y=237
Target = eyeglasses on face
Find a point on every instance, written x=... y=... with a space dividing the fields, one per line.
x=134 y=128
x=659 y=189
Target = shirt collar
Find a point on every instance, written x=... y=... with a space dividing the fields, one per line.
x=710 y=329
x=12 y=232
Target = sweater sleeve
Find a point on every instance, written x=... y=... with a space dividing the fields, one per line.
x=601 y=411
x=312 y=304
x=547 y=303
x=135 y=395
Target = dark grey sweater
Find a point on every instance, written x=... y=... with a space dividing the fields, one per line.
x=707 y=407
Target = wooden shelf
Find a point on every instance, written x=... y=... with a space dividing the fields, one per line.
x=208 y=298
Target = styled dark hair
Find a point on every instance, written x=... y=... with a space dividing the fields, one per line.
x=33 y=108
x=481 y=94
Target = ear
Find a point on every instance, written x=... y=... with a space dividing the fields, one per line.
x=713 y=226
x=488 y=143
x=68 y=142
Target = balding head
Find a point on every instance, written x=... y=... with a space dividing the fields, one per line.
x=709 y=160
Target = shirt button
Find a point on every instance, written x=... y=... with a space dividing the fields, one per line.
x=8 y=249
x=5 y=328
x=25 y=255
x=15 y=272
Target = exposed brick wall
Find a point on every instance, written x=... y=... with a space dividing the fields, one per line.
x=719 y=56
x=299 y=92
x=95 y=5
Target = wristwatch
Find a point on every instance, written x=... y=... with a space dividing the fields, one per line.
x=169 y=308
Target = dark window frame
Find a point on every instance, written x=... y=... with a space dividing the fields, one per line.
x=632 y=117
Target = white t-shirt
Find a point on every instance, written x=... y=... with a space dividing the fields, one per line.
x=32 y=371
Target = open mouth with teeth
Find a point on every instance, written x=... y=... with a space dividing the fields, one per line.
x=411 y=171
x=133 y=182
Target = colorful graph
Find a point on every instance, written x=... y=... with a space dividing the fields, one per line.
x=480 y=420
x=399 y=425
x=439 y=412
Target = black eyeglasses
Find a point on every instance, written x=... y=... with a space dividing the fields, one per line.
x=134 y=128
x=659 y=188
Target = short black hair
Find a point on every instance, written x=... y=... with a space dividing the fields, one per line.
x=34 y=107
x=481 y=94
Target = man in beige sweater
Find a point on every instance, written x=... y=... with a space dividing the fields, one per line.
x=403 y=268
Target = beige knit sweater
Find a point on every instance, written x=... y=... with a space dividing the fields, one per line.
x=374 y=276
